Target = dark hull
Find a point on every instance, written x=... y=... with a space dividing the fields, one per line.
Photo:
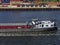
x=42 y=29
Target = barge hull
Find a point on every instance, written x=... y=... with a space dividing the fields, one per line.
x=29 y=30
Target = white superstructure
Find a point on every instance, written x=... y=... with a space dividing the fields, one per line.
x=43 y=24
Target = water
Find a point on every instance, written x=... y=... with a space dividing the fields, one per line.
x=41 y=40
x=21 y=16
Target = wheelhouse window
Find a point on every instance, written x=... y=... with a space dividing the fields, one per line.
x=52 y=25
x=42 y=25
x=46 y=25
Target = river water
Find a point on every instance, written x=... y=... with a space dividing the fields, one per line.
x=27 y=15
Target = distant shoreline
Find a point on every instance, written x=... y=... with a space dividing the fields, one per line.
x=44 y=8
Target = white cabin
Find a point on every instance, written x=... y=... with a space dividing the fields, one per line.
x=43 y=24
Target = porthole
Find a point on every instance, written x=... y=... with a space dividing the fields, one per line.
x=51 y=25
x=46 y=25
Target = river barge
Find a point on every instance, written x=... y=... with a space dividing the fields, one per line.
x=34 y=25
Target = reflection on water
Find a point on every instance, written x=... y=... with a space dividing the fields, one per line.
x=29 y=33
x=32 y=40
x=49 y=32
